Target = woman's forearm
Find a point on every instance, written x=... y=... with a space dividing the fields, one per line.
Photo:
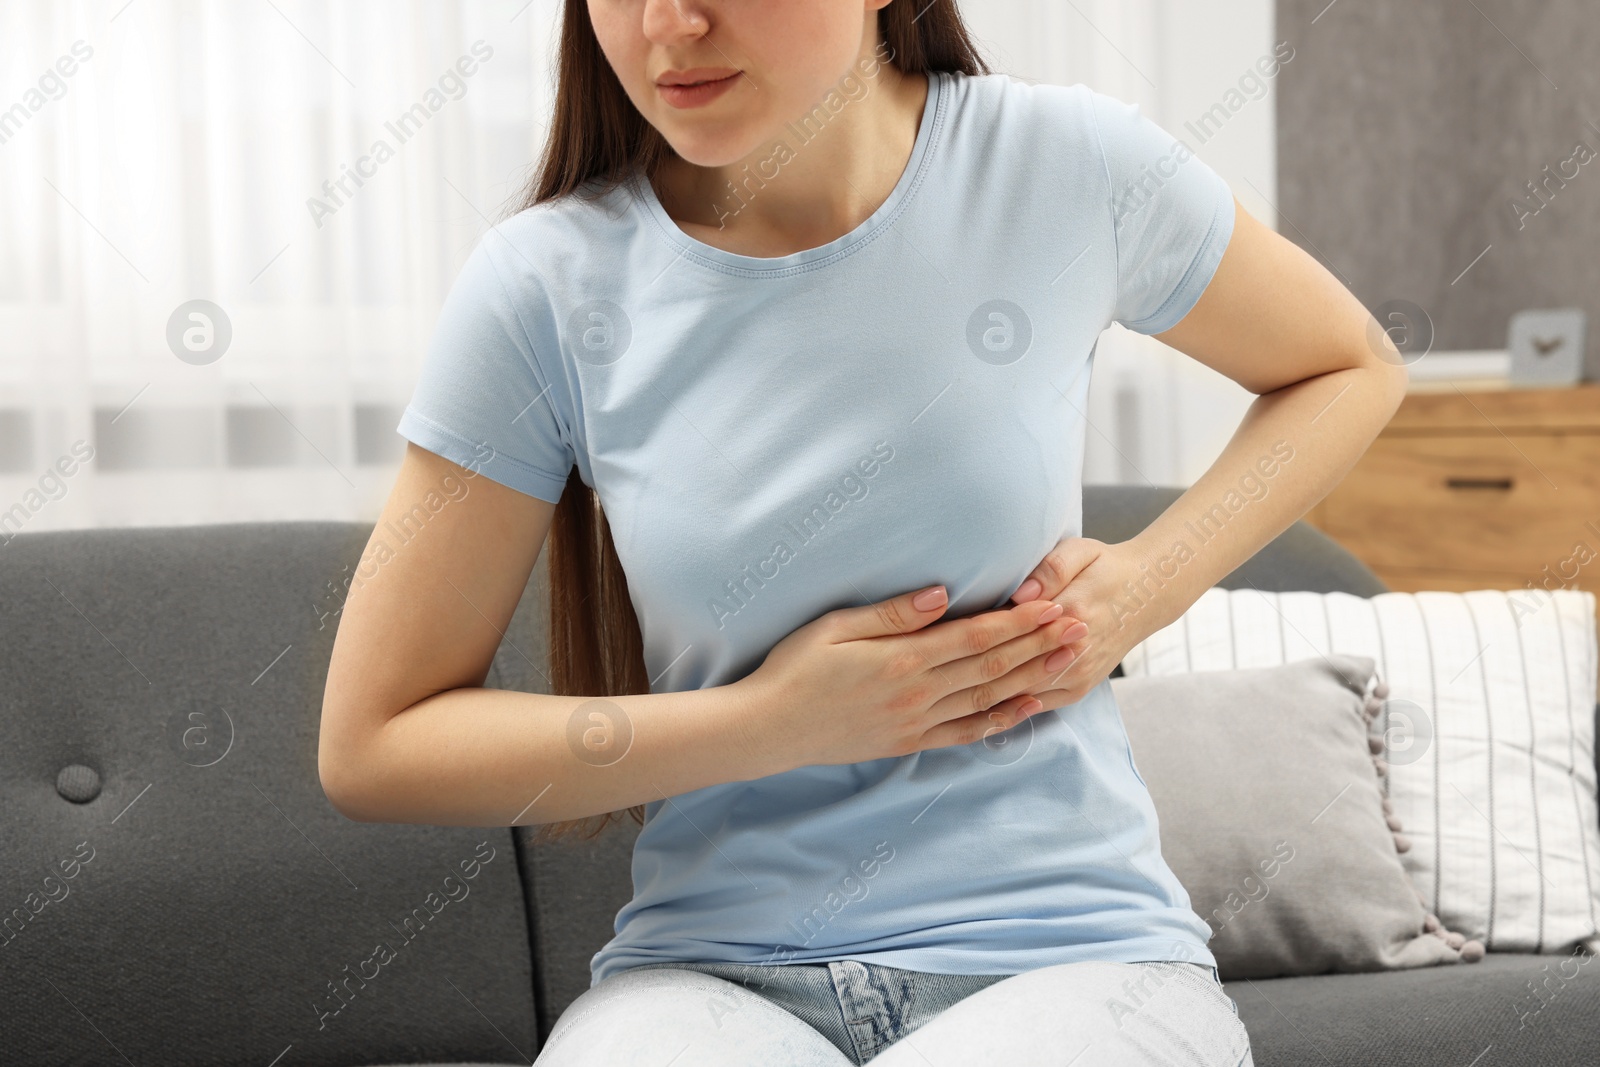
x=1292 y=447
x=495 y=757
x=1327 y=379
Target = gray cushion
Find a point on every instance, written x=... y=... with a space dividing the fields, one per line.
x=224 y=893
x=1444 y=1016
x=1272 y=817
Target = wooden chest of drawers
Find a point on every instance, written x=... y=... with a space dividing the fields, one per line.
x=1477 y=489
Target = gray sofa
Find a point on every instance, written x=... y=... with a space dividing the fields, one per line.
x=177 y=890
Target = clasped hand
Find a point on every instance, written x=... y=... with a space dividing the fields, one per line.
x=1099 y=585
x=892 y=677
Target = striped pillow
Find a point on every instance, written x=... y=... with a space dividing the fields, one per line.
x=1488 y=735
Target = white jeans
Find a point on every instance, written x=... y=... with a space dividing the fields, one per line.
x=847 y=1012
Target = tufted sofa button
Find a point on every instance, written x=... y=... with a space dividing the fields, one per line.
x=78 y=783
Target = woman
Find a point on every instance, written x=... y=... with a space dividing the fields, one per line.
x=807 y=299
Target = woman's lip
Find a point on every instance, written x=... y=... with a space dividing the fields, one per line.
x=685 y=97
x=698 y=75
x=696 y=82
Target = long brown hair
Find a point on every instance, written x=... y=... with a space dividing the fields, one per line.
x=597 y=134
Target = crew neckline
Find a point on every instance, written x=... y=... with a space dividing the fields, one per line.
x=839 y=247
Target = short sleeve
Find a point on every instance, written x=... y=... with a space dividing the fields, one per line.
x=1173 y=217
x=482 y=399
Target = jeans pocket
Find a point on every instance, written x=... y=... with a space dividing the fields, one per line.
x=1204 y=976
x=1217 y=978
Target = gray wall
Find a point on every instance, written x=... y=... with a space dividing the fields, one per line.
x=1405 y=128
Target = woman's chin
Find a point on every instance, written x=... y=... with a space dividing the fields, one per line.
x=704 y=150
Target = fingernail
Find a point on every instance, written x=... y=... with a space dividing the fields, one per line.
x=1059 y=659
x=1029 y=590
x=1031 y=706
x=929 y=599
x=1053 y=612
x=1074 y=632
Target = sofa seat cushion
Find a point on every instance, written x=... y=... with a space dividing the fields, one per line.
x=1521 y=1008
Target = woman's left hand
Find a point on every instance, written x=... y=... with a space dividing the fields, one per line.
x=1098 y=584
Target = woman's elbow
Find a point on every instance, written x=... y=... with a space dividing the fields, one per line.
x=1392 y=380
x=339 y=769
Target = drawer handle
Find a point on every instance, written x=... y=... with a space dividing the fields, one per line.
x=1502 y=484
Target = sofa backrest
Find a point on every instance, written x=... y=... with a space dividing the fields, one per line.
x=1300 y=558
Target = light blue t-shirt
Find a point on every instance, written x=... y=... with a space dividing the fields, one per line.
x=774 y=438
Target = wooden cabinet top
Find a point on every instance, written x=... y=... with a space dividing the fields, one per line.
x=1466 y=409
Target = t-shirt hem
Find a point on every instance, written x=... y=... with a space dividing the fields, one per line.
x=1202 y=268
x=499 y=467
x=948 y=961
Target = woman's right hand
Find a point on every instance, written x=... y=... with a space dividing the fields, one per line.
x=863 y=683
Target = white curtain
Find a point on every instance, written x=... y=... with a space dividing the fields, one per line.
x=317 y=171
x=212 y=151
